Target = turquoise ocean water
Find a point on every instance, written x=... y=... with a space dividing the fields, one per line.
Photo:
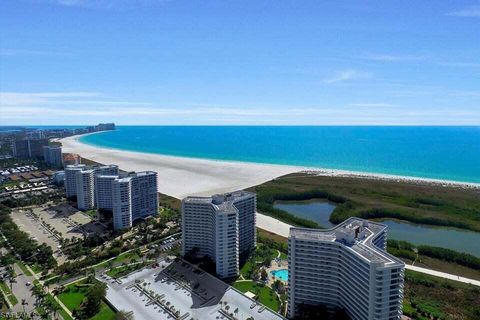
x=450 y=153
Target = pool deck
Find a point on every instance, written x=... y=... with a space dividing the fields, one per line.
x=275 y=266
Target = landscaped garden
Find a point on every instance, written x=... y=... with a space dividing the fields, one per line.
x=265 y=295
x=82 y=298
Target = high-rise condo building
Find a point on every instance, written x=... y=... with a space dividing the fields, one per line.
x=85 y=189
x=344 y=267
x=130 y=197
x=221 y=227
x=122 y=203
x=144 y=194
x=71 y=178
x=134 y=197
x=104 y=191
x=52 y=155
x=29 y=148
x=110 y=169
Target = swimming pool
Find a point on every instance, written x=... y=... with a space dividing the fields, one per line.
x=281 y=274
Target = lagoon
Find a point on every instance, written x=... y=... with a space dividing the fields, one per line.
x=450 y=238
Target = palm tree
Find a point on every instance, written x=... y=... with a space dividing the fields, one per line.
x=24 y=302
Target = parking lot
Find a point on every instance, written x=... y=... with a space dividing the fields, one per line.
x=178 y=290
x=47 y=223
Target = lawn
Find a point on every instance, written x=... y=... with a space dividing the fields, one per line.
x=124 y=270
x=265 y=295
x=13 y=300
x=73 y=296
x=124 y=257
x=62 y=312
x=36 y=268
x=246 y=270
x=24 y=269
x=5 y=287
x=105 y=313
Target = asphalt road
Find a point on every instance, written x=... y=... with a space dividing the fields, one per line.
x=22 y=291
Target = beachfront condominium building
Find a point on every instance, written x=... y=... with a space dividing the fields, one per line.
x=134 y=197
x=110 y=169
x=102 y=187
x=71 y=178
x=52 y=155
x=85 y=189
x=104 y=191
x=122 y=203
x=221 y=227
x=345 y=267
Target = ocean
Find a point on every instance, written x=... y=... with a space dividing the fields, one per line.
x=448 y=153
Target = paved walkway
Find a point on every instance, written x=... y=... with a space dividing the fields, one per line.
x=64 y=307
x=443 y=275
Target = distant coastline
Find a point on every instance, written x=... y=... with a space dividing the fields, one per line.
x=76 y=145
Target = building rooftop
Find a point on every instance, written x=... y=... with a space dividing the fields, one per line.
x=354 y=233
x=221 y=202
x=193 y=292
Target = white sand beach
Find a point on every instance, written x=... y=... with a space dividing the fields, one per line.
x=180 y=177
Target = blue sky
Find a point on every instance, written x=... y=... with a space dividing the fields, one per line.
x=240 y=62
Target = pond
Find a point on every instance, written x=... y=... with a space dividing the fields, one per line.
x=450 y=238
x=315 y=210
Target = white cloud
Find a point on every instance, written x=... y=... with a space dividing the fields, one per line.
x=471 y=11
x=93 y=107
x=24 y=52
x=373 y=105
x=391 y=57
x=346 y=76
x=458 y=64
x=28 y=98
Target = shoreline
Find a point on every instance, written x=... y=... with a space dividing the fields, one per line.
x=181 y=176
x=74 y=143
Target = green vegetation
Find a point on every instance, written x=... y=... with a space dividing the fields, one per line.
x=246 y=270
x=8 y=293
x=264 y=294
x=5 y=288
x=440 y=259
x=13 y=300
x=24 y=269
x=28 y=249
x=374 y=199
x=121 y=271
x=428 y=297
x=169 y=202
x=92 y=213
x=85 y=300
x=105 y=313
